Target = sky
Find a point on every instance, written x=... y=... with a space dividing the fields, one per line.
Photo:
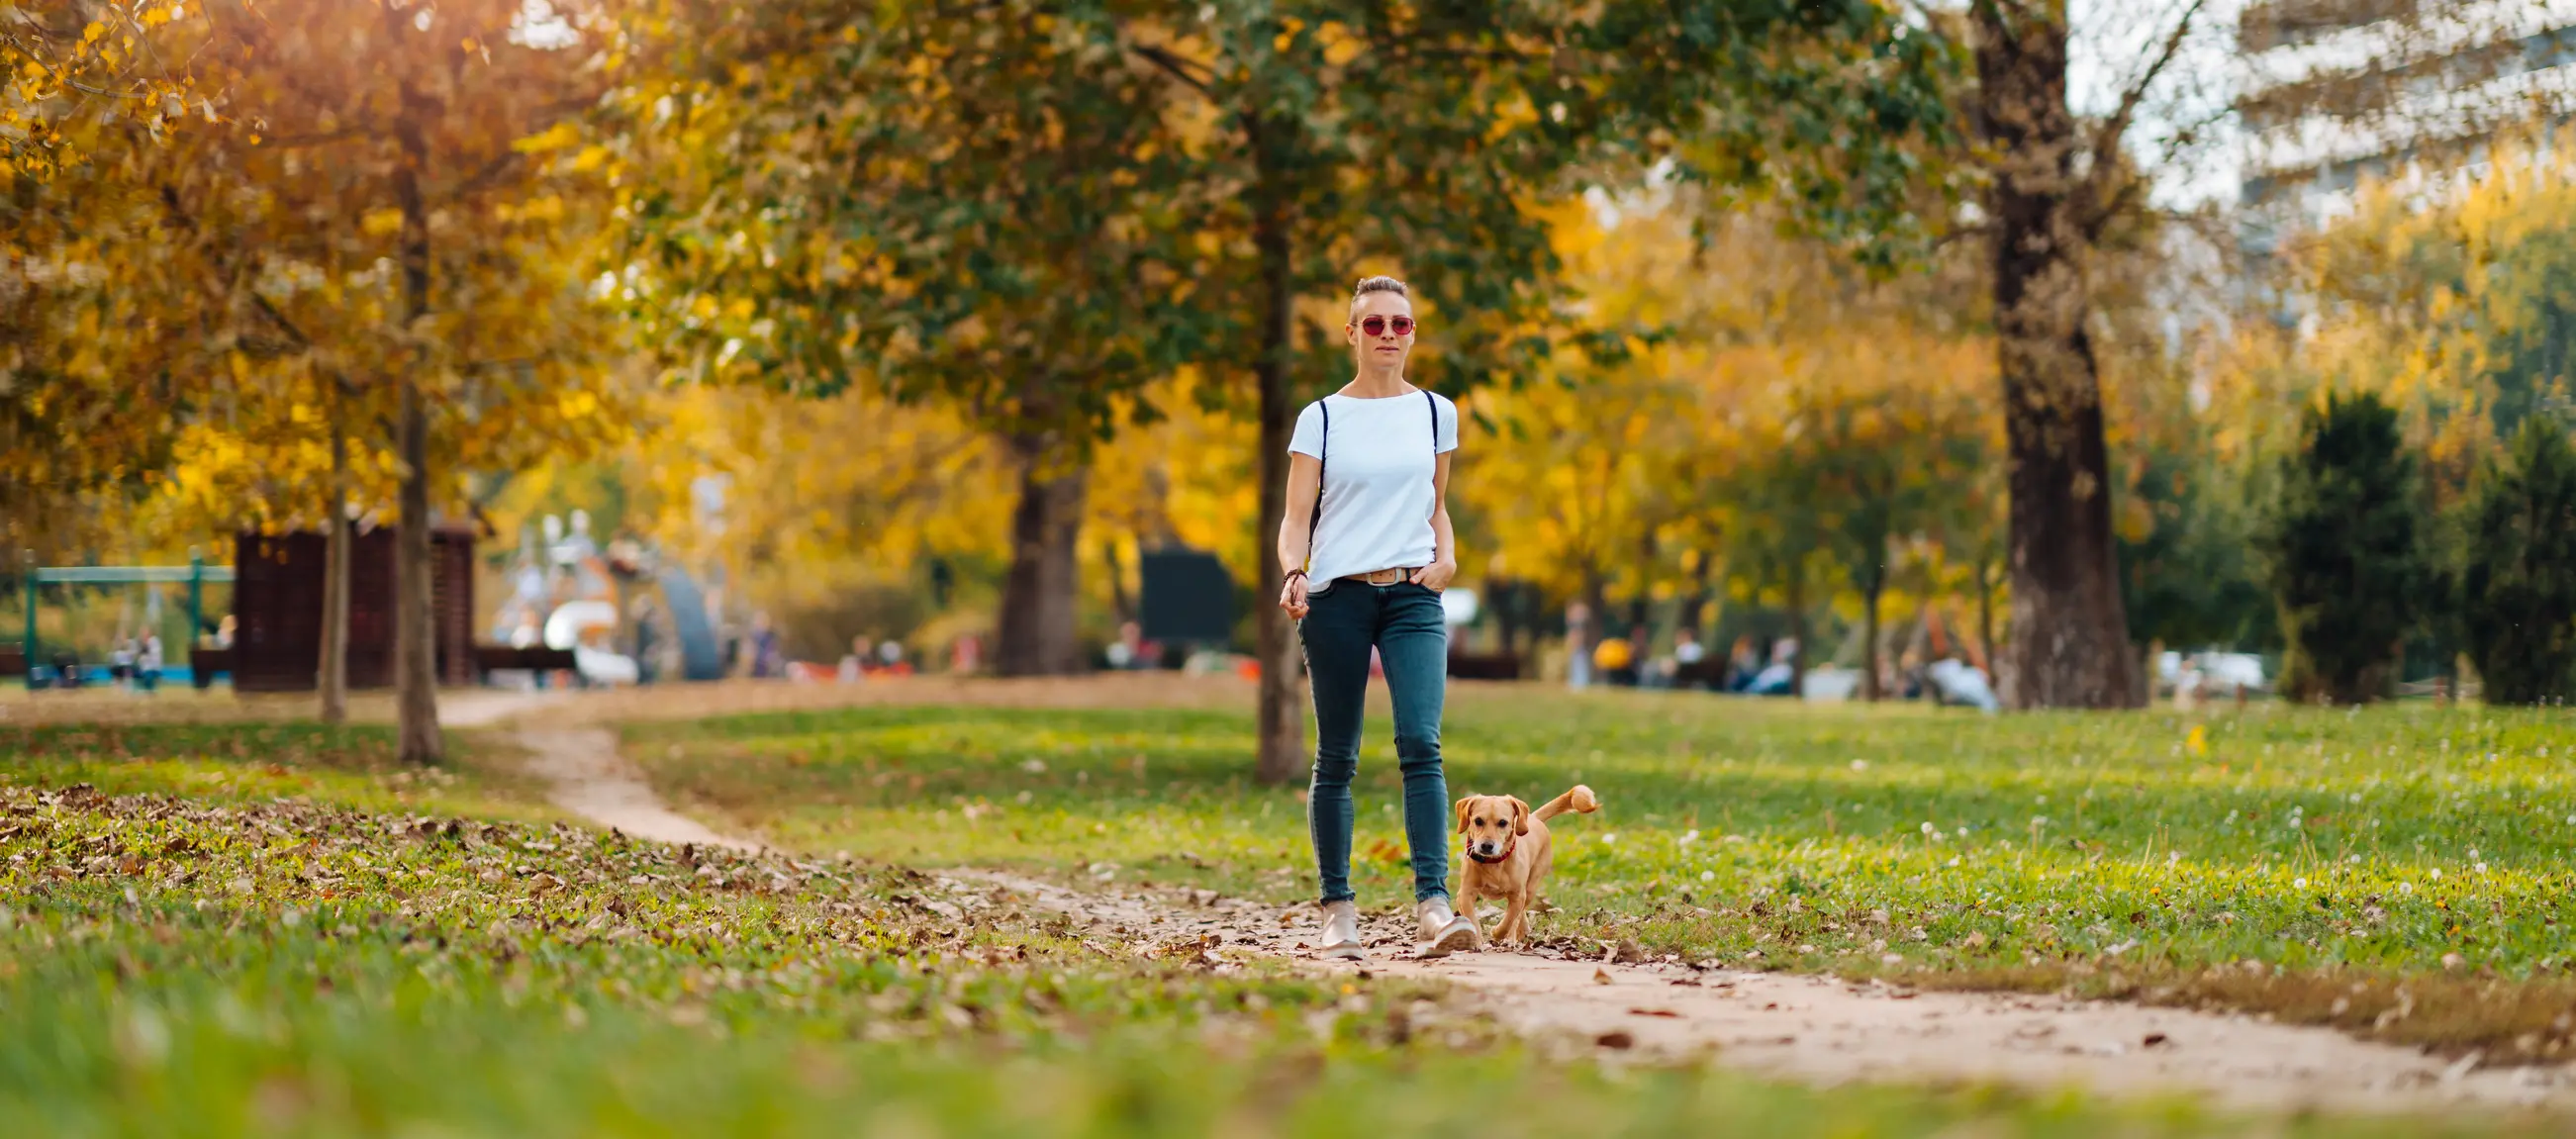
x=2114 y=39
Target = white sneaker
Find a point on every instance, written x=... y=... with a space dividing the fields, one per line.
x=1446 y=931
x=1341 y=933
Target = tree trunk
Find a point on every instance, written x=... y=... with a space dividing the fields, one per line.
x=1039 y=597
x=415 y=623
x=1641 y=610
x=1985 y=614
x=415 y=647
x=1870 y=688
x=1120 y=602
x=333 y=680
x=1797 y=597
x=1694 y=609
x=2070 y=637
x=1282 y=724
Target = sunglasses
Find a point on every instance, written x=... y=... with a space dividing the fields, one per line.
x=1377 y=325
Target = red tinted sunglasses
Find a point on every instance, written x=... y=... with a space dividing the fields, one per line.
x=1377 y=325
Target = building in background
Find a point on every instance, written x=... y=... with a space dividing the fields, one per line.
x=2332 y=94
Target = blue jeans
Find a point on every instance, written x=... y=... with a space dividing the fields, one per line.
x=1403 y=623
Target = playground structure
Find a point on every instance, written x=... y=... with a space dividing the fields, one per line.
x=569 y=594
x=27 y=659
x=572 y=610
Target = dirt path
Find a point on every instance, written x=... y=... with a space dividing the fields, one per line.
x=484 y=707
x=1823 y=1030
x=586 y=776
x=1813 y=1028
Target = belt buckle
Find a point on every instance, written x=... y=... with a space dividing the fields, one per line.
x=1385 y=576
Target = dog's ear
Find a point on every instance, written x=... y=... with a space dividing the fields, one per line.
x=1462 y=813
x=1520 y=816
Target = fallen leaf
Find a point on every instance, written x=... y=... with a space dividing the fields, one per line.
x=1619 y=1038
x=1600 y=976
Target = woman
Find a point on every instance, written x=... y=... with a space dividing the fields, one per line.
x=1367 y=527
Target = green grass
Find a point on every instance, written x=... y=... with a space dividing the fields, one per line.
x=351 y=765
x=273 y=930
x=191 y=967
x=2282 y=858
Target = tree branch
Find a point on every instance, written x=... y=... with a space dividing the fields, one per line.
x=2115 y=130
x=1176 y=66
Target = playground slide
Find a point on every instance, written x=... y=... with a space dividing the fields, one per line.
x=700 y=658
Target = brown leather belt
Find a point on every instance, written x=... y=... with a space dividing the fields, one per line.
x=1381 y=577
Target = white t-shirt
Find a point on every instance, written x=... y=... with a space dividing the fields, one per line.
x=1378 y=466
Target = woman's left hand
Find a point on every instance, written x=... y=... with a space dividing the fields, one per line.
x=1435 y=577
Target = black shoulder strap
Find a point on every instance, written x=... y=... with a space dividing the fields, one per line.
x=1323 y=449
x=1434 y=405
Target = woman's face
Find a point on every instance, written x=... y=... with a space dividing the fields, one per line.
x=1386 y=347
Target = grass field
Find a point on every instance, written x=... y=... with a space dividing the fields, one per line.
x=269 y=929
x=241 y=763
x=2400 y=871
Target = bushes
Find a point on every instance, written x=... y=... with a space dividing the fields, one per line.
x=2518 y=578
x=2346 y=549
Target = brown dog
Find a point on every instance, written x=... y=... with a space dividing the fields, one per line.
x=1507 y=853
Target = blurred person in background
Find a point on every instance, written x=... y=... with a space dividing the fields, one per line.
x=1578 y=645
x=648 y=642
x=1611 y=660
x=1743 y=663
x=147 y=664
x=854 y=667
x=766 y=661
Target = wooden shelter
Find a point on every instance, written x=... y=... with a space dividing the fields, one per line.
x=277 y=608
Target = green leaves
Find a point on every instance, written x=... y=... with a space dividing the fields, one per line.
x=2346 y=550
x=952 y=203
x=966 y=202
x=2518 y=586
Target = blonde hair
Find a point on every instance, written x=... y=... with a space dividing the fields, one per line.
x=1369 y=285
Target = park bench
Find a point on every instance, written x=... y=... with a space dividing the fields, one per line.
x=1706 y=672
x=204 y=662
x=534 y=658
x=1485 y=666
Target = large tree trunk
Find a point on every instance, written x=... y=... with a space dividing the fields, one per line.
x=415 y=649
x=333 y=681
x=1039 y=596
x=1282 y=726
x=2070 y=637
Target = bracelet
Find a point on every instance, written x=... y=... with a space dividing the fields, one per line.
x=1283 y=578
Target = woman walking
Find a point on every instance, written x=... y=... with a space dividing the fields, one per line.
x=1367 y=525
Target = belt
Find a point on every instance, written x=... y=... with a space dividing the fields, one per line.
x=1380 y=577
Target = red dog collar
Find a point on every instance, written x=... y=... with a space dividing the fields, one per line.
x=1505 y=856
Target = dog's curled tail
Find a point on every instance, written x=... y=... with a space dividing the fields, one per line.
x=1580 y=801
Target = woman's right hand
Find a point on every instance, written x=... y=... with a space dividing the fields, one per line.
x=1292 y=596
